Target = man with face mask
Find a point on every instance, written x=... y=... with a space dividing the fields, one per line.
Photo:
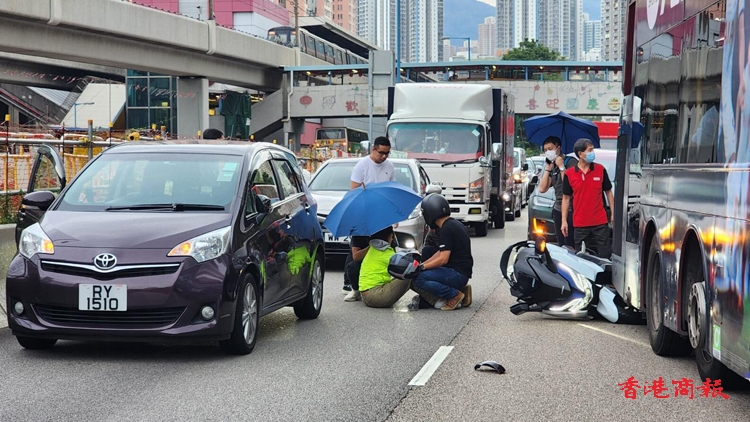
x=587 y=182
x=554 y=173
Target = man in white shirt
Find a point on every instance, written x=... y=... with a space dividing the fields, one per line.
x=377 y=168
x=372 y=169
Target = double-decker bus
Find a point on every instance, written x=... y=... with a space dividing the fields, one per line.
x=682 y=251
x=342 y=139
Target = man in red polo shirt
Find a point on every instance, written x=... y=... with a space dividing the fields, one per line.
x=587 y=182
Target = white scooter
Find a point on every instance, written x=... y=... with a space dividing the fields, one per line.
x=556 y=281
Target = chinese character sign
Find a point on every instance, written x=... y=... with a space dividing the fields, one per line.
x=684 y=387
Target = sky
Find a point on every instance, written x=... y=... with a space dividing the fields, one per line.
x=490 y=2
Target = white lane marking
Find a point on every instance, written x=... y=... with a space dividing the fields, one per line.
x=431 y=366
x=614 y=335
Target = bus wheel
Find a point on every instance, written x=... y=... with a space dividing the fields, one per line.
x=698 y=329
x=664 y=342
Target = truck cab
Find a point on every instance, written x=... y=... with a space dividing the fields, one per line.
x=460 y=134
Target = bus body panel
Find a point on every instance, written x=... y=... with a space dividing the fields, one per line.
x=685 y=179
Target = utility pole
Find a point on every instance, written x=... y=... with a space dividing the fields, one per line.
x=210 y=10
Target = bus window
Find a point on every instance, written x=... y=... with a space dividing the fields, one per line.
x=329 y=53
x=338 y=57
x=310 y=45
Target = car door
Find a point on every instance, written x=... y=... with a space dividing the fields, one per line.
x=264 y=199
x=297 y=228
x=47 y=174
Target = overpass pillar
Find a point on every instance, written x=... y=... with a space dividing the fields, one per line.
x=192 y=106
x=293 y=130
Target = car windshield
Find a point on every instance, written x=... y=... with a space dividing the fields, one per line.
x=125 y=181
x=337 y=176
x=438 y=142
x=516 y=159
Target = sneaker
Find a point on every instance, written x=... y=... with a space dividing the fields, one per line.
x=353 y=296
x=467 y=296
x=414 y=304
x=347 y=288
x=440 y=303
x=453 y=302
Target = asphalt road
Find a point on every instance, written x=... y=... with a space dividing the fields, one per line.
x=355 y=363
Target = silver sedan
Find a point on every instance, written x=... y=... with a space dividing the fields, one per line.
x=332 y=181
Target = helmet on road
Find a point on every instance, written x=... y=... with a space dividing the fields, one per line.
x=403 y=265
x=435 y=206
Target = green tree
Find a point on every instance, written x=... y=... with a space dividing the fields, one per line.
x=532 y=50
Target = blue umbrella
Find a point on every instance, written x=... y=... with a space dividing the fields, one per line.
x=566 y=127
x=363 y=212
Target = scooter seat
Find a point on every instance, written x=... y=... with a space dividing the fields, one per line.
x=606 y=264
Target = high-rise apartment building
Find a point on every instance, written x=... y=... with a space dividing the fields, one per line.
x=516 y=20
x=423 y=26
x=592 y=34
x=613 y=29
x=375 y=19
x=561 y=26
x=487 y=37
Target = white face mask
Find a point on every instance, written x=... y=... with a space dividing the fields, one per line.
x=551 y=155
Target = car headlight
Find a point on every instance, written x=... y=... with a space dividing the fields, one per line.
x=204 y=247
x=476 y=190
x=540 y=201
x=417 y=212
x=35 y=241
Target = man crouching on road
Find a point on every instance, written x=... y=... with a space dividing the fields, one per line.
x=447 y=271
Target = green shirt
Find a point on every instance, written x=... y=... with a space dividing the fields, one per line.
x=374 y=270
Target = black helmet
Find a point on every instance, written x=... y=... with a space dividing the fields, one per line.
x=435 y=206
x=403 y=265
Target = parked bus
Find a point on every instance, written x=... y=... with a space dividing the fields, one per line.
x=342 y=139
x=682 y=250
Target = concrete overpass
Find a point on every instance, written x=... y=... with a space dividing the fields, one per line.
x=20 y=69
x=129 y=36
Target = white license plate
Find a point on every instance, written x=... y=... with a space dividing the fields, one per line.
x=330 y=239
x=102 y=297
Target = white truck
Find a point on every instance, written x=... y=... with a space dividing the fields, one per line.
x=463 y=136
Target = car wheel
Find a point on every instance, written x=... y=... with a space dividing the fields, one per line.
x=32 y=343
x=246 y=317
x=309 y=306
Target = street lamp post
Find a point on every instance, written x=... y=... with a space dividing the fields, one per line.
x=75 y=112
x=468 y=39
x=398 y=41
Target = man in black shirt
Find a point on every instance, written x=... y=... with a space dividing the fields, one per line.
x=447 y=272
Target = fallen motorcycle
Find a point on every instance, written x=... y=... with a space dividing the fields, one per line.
x=556 y=281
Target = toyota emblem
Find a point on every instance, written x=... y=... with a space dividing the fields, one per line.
x=105 y=261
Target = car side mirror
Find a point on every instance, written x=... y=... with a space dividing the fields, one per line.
x=525 y=167
x=364 y=147
x=497 y=150
x=433 y=189
x=40 y=199
x=263 y=204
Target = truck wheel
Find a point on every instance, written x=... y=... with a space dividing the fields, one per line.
x=480 y=229
x=664 y=342
x=699 y=325
x=498 y=218
x=497 y=213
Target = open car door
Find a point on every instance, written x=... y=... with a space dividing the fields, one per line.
x=47 y=177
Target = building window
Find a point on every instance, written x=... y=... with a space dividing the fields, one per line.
x=151 y=100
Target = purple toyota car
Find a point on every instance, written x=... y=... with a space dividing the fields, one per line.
x=155 y=241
